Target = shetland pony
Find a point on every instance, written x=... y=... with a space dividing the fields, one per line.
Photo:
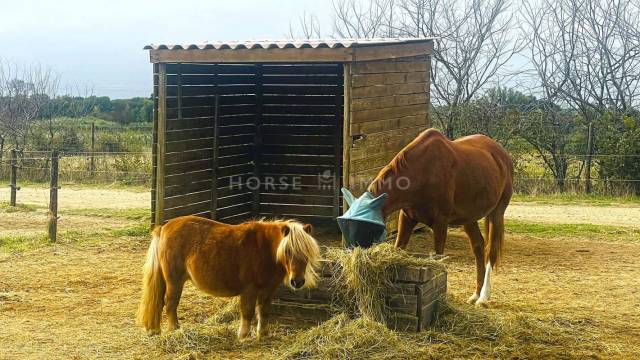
x=439 y=182
x=250 y=260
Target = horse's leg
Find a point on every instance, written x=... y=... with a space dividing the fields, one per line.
x=477 y=245
x=439 y=236
x=495 y=237
x=247 y=311
x=264 y=307
x=172 y=299
x=405 y=227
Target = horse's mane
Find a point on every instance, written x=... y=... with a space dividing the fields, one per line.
x=299 y=243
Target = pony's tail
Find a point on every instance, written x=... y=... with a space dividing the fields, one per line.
x=153 y=288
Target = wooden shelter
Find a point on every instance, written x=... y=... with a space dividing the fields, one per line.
x=250 y=129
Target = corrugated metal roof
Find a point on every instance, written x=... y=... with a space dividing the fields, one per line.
x=287 y=44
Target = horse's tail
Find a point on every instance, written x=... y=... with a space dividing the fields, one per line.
x=153 y=288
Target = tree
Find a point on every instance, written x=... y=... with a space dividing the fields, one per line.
x=586 y=55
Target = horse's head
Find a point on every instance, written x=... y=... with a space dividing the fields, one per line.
x=299 y=253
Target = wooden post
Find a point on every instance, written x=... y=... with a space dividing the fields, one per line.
x=346 y=135
x=161 y=146
x=587 y=179
x=93 y=146
x=214 y=173
x=53 y=198
x=257 y=142
x=338 y=127
x=13 y=179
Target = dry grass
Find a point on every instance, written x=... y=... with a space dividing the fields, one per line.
x=571 y=298
x=362 y=277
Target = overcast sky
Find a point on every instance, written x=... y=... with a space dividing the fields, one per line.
x=98 y=43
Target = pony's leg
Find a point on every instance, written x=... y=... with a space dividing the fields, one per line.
x=172 y=299
x=264 y=307
x=247 y=311
x=439 y=236
x=477 y=245
x=405 y=227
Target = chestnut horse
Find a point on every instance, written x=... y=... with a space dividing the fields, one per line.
x=440 y=182
x=250 y=260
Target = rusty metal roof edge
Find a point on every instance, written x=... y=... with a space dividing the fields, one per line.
x=289 y=44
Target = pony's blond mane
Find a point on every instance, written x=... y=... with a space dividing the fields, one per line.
x=300 y=244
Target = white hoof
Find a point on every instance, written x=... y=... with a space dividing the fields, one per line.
x=482 y=303
x=472 y=299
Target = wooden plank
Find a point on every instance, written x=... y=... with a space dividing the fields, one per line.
x=387 y=90
x=187 y=188
x=366 y=53
x=241 y=198
x=235 y=159
x=189 y=134
x=299 y=109
x=299 y=89
x=287 y=69
x=390 y=78
x=191 y=209
x=298 y=119
x=234 y=210
x=297 y=169
x=376 y=126
x=199 y=69
x=293 y=129
x=192 y=155
x=188 y=145
x=180 y=168
x=287 y=198
x=186 y=199
x=297 y=159
x=290 y=209
x=388 y=113
x=191 y=176
x=188 y=124
x=211 y=79
x=235 y=150
x=298 y=99
x=160 y=161
x=300 y=79
x=209 y=101
x=252 y=55
x=389 y=101
x=241 y=129
x=390 y=66
x=297 y=149
x=311 y=140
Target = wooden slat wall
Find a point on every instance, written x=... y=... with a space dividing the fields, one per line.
x=190 y=171
x=154 y=151
x=301 y=119
x=389 y=103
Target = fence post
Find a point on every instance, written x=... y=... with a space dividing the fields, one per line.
x=93 y=146
x=13 y=179
x=53 y=198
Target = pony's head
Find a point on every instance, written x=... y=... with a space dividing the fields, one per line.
x=299 y=253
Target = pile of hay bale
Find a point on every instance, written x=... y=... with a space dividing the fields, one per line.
x=381 y=283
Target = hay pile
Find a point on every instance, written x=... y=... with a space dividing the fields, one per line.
x=362 y=277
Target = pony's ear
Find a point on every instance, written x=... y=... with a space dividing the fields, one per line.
x=308 y=228
x=285 y=230
x=377 y=202
x=348 y=196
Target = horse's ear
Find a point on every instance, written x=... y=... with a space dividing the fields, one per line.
x=377 y=202
x=348 y=196
x=308 y=228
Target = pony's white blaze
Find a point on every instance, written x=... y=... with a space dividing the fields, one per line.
x=485 y=293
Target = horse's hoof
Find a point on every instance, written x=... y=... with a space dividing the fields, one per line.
x=472 y=299
x=482 y=303
x=153 y=332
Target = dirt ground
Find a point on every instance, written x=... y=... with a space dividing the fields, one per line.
x=79 y=198
x=76 y=301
